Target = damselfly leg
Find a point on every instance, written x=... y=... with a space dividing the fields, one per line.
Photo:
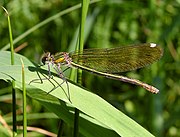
x=51 y=79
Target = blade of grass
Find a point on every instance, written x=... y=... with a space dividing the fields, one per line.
x=13 y=82
x=24 y=101
x=61 y=127
x=84 y=10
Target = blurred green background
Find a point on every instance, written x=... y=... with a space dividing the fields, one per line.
x=110 y=24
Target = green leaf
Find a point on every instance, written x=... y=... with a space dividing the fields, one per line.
x=98 y=117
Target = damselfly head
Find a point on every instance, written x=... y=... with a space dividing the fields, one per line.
x=46 y=57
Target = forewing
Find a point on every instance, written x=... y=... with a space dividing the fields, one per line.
x=120 y=59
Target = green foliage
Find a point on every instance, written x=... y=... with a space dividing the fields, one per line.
x=110 y=24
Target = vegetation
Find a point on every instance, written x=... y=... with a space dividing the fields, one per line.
x=109 y=24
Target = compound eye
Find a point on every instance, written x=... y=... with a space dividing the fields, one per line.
x=45 y=57
x=43 y=60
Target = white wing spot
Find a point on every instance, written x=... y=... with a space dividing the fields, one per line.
x=152 y=45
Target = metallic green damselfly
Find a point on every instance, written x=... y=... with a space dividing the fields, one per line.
x=109 y=62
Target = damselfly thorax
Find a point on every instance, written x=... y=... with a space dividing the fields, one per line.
x=61 y=58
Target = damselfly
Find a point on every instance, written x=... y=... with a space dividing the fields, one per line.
x=108 y=62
